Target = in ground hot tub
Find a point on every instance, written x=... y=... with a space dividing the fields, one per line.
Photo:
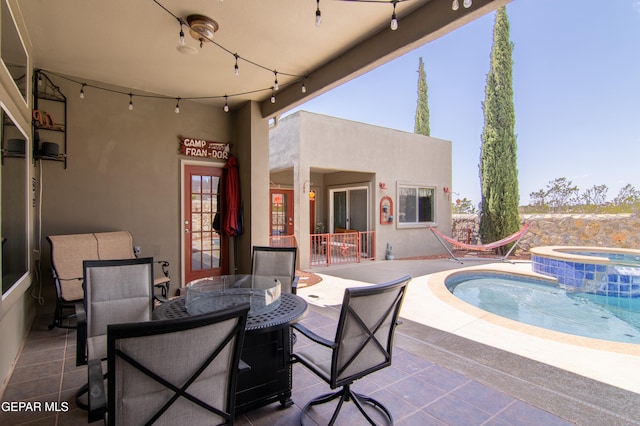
x=598 y=270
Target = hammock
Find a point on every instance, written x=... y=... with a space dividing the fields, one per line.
x=514 y=238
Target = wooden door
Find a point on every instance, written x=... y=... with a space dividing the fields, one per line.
x=205 y=248
x=281 y=212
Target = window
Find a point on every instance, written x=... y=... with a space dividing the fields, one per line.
x=415 y=205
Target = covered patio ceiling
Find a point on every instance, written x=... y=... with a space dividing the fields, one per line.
x=133 y=44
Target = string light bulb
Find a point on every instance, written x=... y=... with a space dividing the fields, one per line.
x=304 y=87
x=130 y=101
x=226 y=103
x=455 y=5
x=318 y=15
x=273 y=97
x=276 y=86
x=82 y=91
x=467 y=4
x=394 y=18
x=236 y=70
x=177 y=105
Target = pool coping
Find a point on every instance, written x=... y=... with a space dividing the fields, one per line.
x=568 y=253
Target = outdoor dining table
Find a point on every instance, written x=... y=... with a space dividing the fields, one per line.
x=268 y=337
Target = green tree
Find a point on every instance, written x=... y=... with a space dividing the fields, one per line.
x=463 y=206
x=499 y=214
x=628 y=196
x=421 y=126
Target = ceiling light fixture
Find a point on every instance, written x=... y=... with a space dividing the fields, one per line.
x=202 y=28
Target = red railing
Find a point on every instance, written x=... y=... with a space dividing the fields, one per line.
x=346 y=247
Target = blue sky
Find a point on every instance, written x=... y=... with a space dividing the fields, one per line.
x=576 y=92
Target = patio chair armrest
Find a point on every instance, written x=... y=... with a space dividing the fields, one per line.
x=97 y=399
x=81 y=334
x=294 y=284
x=165 y=267
x=313 y=336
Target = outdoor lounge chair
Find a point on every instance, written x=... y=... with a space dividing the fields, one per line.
x=514 y=238
x=69 y=251
x=362 y=345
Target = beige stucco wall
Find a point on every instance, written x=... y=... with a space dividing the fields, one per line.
x=17 y=307
x=331 y=152
x=124 y=172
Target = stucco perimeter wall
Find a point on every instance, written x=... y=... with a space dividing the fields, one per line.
x=600 y=230
x=337 y=152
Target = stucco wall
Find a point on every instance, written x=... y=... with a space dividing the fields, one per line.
x=600 y=230
x=344 y=151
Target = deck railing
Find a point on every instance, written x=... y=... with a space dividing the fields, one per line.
x=345 y=247
x=332 y=249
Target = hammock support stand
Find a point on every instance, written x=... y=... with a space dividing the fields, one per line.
x=514 y=238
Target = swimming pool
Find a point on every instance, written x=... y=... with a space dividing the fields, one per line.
x=542 y=303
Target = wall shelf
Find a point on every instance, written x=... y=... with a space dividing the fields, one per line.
x=49 y=119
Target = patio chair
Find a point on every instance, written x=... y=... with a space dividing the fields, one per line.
x=278 y=262
x=116 y=291
x=171 y=372
x=362 y=345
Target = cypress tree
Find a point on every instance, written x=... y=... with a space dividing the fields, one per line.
x=421 y=126
x=499 y=216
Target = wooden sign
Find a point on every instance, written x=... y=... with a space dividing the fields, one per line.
x=202 y=148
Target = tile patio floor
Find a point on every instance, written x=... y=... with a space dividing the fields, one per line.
x=436 y=378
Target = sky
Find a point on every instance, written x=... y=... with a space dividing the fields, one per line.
x=576 y=78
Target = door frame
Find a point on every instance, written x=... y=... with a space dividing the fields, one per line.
x=346 y=188
x=183 y=164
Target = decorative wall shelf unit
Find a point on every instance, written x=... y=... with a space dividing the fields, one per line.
x=49 y=120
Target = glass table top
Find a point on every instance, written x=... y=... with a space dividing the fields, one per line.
x=214 y=293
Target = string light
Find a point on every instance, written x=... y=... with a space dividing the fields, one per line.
x=236 y=70
x=455 y=5
x=276 y=86
x=303 y=89
x=273 y=97
x=130 y=101
x=177 y=105
x=82 y=91
x=394 y=19
x=466 y=4
x=226 y=104
x=318 y=15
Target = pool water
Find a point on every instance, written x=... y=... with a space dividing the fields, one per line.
x=542 y=304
